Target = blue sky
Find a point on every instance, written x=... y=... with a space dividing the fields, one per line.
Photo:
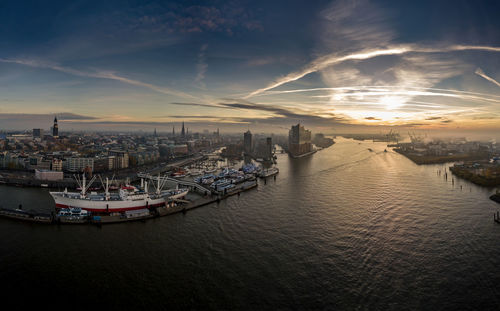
x=332 y=65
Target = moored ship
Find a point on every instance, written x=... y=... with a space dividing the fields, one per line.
x=127 y=198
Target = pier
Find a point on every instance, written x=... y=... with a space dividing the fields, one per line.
x=178 y=206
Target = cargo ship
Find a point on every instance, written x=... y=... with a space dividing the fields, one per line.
x=128 y=197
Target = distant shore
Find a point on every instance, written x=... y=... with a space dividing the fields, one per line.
x=432 y=159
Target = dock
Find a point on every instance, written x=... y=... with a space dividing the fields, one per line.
x=178 y=206
x=29 y=216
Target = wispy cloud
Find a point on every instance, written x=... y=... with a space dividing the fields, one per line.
x=201 y=66
x=329 y=60
x=100 y=75
x=481 y=73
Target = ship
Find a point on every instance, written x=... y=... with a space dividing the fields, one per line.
x=128 y=197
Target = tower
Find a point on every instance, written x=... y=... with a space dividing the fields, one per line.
x=55 y=129
x=173 y=131
x=183 y=133
x=247 y=142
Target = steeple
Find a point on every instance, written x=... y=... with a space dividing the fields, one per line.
x=55 y=128
x=173 y=130
x=183 y=133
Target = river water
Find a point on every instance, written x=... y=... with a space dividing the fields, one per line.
x=347 y=228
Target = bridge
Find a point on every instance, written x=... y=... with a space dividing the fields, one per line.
x=186 y=183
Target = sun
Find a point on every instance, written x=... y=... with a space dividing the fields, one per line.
x=392 y=102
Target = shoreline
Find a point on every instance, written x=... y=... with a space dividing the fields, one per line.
x=427 y=159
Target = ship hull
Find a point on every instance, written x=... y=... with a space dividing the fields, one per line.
x=97 y=206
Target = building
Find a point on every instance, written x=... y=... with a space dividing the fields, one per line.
x=183 y=133
x=247 y=142
x=38 y=134
x=264 y=149
x=75 y=164
x=55 y=129
x=121 y=159
x=299 y=141
x=48 y=175
x=57 y=165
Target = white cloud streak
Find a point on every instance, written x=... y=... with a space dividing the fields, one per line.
x=481 y=73
x=99 y=75
x=329 y=60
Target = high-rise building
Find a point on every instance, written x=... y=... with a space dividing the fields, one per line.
x=247 y=142
x=299 y=141
x=55 y=129
x=264 y=148
x=269 y=148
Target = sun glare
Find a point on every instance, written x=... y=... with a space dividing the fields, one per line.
x=392 y=102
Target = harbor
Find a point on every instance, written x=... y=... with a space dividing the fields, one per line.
x=137 y=202
x=163 y=257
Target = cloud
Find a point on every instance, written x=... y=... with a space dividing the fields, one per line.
x=228 y=18
x=202 y=66
x=99 y=75
x=22 y=121
x=194 y=104
x=329 y=60
x=481 y=73
x=283 y=113
x=63 y=116
x=372 y=118
x=354 y=32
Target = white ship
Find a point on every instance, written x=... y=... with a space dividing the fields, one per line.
x=126 y=199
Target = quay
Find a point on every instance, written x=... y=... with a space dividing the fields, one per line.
x=139 y=215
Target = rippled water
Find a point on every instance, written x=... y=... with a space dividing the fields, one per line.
x=346 y=228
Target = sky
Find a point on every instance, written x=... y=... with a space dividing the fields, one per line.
x=335 y=66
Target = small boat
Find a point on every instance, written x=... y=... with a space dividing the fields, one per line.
x=269 y=172
x=73 y=215
x=210 y=170
x=370 y=149
x=385 y=150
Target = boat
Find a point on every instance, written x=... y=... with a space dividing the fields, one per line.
x=20 y=214
x=195 y=172
x=385 y=150
x=126 y=199
x=73 y=215
x=210 y=170
x=269 y=172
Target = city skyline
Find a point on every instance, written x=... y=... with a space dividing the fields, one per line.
x=337 y=66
